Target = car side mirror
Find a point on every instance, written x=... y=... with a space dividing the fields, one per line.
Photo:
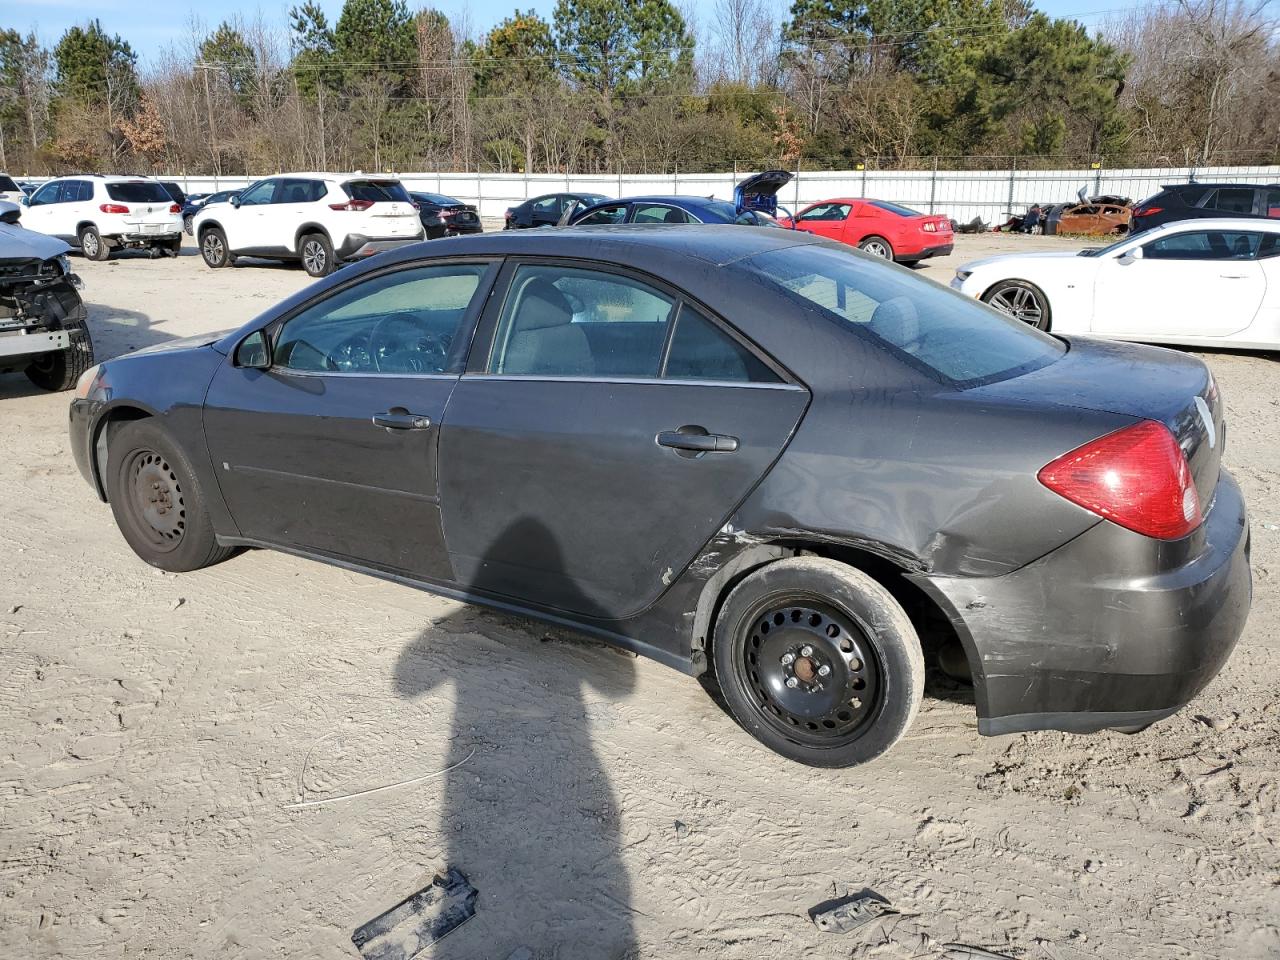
x=25 y=201
x=254 y=352
x=1129 y=256
x=234 y=201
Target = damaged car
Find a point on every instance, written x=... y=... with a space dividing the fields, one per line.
x=43 y=329
x=750 y=453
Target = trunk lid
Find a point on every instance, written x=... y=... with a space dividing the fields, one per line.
x=760 y=191
x=1146 y=383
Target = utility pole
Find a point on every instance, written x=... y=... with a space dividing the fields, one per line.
x=204 y=67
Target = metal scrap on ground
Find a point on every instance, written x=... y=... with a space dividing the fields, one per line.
x=418 y=921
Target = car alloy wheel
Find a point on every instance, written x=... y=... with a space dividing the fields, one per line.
x=314 y=258
x=156 y=504
x=813 y=672
x=90 y=244
x=877 y=247
x=1022 y=302
x=213 y=248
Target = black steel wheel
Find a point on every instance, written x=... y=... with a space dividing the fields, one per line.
x=814 y=674
x=156 y=499
x=818 y=661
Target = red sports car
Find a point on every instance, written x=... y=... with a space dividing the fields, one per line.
x=880 y=228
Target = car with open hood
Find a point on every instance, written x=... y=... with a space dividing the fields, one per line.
x=754 y=204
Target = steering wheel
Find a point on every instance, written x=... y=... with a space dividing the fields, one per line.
x=428 y=353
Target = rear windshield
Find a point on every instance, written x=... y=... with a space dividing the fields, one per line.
x=7 y=185
x=138 y=191
x=717 y=208
x=896 y=208
x=376 y=190
x=957 y=339
x=437 y=198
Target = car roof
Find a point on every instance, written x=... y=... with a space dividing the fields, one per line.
x=1234 y=224
x=1218 y=186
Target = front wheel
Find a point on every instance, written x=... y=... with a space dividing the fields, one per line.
x=1020 y=300
x=317 y=255
x=60 y=369
x=157 y=501
x=92 y=245
x=818 y=662
x=877 y=247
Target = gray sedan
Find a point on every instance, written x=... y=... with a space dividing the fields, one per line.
x=745 y=451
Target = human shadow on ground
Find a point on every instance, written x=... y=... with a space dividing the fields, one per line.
x=530 y=818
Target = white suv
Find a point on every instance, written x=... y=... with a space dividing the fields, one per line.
x=102 y=214
x=318 y=218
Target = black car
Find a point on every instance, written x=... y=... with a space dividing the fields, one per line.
x=175 y=192
x=443 y=216
x=1185 y=201
x=198 y=201
x=548 y=209
x=747 y=451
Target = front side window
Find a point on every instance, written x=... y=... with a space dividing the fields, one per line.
x=658 y=213
x=548 y=205
x=1204 y=245
x=259 y=194
x=570 y=322
x=137 y=191
x=47 y=194
x=826 y=211
x=611 y=214
x=408 y=322
x=957 y=339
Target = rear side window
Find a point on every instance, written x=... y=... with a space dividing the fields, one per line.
x=953 y=337
x=700 y=350
x=657 y=213
x=301 y=191
x=376 y=190
x=566 y=322
x=138 y=191
x=612 y=214
x=1232 y=200
x=896 y=208
x=1270 y=246
x=1272 y=208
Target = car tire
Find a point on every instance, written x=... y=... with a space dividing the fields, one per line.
x=214 y=249
x=877 y=247
x=317 y=255
x=157 y=501
x=852 y=628
x=59 y=370
x=187 y=222
x=1021 y=300
x=92 y=245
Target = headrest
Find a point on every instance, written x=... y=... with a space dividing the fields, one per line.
x=542 y=306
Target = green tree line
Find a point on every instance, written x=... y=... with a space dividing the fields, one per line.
x=608 y=85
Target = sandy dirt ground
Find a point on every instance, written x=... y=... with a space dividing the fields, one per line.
x=155 y=731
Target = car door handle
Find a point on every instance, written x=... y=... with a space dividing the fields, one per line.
x=401 y=419
x=702 y=442
x=1234 y=276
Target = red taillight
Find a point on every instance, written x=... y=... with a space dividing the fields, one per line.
x=174 y=208
x=447 y=213
x=113 y=208
x=352 y=205
x=930 y=227
x=1136 y=477
x=1147 y=211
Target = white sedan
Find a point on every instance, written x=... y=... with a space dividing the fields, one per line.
x=1194 y=282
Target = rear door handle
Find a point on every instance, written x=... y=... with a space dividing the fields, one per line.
x=701 y=442
x=1234 y=276
x=400 y=419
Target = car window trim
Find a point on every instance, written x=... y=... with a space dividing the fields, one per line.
x=484 y=338
x=470 y=319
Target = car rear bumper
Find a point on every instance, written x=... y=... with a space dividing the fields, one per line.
x=938 y=250
x=357 y=246
x=132 y=238
x=1106 y=631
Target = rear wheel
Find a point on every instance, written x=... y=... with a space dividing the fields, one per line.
x=1022 y=301
x=877 y=247
x=818 y=662
x=157 y=501
x=213 y=248
x=92 y=245
x=317 y=255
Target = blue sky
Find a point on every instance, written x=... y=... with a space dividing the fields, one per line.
x=150 y=27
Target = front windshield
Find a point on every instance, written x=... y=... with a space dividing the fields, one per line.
x=955 y=338
x=1099 y=251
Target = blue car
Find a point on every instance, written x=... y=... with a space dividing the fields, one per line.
x=198 y=201
x=755 y=204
